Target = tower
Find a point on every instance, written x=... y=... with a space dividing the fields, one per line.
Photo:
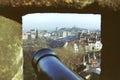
x=36 y=37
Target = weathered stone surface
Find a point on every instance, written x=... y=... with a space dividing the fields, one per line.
x=11 y=56
x=113 y=4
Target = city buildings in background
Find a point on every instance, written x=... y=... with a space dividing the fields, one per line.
x=58 y=37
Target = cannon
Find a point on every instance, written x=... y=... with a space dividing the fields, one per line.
x=49 y=67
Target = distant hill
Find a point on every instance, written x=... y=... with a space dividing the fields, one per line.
x=72 y=29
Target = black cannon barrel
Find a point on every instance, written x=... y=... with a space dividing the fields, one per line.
x=48 y=67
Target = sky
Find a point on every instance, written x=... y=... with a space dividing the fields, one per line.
x=49 y=21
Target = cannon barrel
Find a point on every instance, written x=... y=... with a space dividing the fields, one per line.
x=49 y=67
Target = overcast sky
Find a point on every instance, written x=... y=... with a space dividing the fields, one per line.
x=49 y=21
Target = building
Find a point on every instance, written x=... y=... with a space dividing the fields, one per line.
x=64 y=34
x=24 y=36
x=32 y=34
x=47 y=34
x=93 y=46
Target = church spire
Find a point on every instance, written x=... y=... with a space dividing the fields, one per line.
x=36 y=37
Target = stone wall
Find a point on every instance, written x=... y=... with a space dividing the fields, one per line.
x=113 y=4
x=11 y=56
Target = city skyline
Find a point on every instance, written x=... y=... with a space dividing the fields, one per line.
x=49 y=21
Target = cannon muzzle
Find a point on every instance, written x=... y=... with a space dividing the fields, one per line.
x=49 y=67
